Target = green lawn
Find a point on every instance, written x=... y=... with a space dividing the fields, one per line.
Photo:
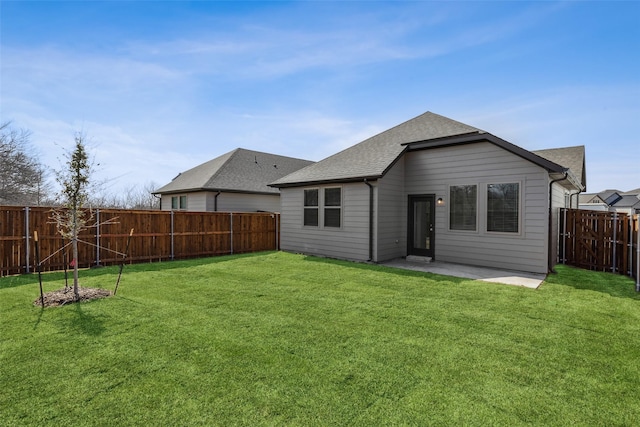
x=283 y=339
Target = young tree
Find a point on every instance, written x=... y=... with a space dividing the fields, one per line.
x=75 y=183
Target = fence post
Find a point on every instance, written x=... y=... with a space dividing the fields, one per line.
x=172 y=235
x=614 y=263
x=629 y=233
x=26 y=239
x=638 y=254
x=573 y=236
x=231 y=231
x=97 y=236
x=564 y=236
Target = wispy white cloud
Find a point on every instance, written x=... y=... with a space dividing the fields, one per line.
x=158 y=105
x=272 y=49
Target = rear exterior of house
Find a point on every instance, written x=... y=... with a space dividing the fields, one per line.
x=481 y=201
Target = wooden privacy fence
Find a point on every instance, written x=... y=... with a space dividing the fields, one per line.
x=602 y=241
x=157 y=236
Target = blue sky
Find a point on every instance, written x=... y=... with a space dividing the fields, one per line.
x=160 y=87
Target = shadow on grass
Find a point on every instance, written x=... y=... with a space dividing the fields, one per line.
x=78 y=321
x=57 y=276
x=616 y=285
x=386 y=269
x=86 y=323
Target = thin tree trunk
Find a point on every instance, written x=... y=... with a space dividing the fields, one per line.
x=76 y=292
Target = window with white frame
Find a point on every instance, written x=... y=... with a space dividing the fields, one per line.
x=503 y=207
x=179 y=202
x=463 y=207
x=311 y=207
x=332 y=206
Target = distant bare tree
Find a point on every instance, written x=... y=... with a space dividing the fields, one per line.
x=137 y=196
x=23 y=180
x=141 y=197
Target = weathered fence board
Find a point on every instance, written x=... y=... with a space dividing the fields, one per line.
x=602 y=241
x=158 y=236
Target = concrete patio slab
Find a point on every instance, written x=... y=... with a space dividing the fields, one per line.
x=507 y=277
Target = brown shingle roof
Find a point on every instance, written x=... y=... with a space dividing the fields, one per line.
x=239 y=170
x=569 y=157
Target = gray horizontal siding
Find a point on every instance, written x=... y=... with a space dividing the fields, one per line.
x=350 y=241
x=240 y=202
x=202 y=201
x=433 y=171
x=391 y=214
x=196 y=202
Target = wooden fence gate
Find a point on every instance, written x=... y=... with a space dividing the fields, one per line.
x=158 y=236
x=601 y=241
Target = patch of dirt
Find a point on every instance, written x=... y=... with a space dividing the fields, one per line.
x=65 y=296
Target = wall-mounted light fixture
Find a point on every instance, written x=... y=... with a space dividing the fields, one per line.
x=440 y=202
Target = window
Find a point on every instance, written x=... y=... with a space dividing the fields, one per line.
x=463 y=207
x=503 y=205
x=179 y=202
x=311 y=207
x=332 y=206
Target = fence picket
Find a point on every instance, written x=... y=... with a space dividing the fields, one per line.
x=158 y=236
x=602 y=241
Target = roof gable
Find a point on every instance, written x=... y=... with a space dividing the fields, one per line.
x=372 y=157
x=487 y=137
x=589 y=198
x=239 y=170
x=572 y=158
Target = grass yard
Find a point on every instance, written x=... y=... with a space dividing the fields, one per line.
x=283 y=339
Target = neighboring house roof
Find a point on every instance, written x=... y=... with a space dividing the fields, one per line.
x=628 y=201
x=371 y=158
x=607 y=194
x=608 y=197
x=239 y=170
x=585 y=198
x=613 y=199
x=570 y=157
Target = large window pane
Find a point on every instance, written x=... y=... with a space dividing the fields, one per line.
x=311 y=216
x=332 y=196
x=503 y=204
x=311 y=197
x=311 y=207
x=332 y=217
x=332 y=203
x=463 y=207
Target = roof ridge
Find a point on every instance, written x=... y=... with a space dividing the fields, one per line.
x=561 y=148
x=231 y=154
x=248 y=150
